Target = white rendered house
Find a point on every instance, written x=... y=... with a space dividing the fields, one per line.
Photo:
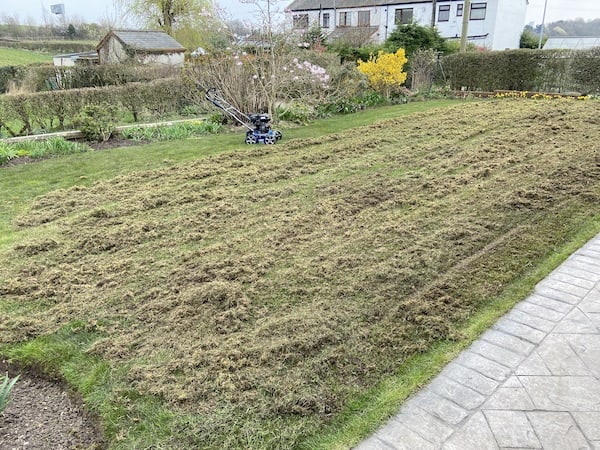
x=493 y=24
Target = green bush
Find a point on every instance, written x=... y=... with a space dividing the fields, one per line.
x=7 y=152
x=97 y=122
x=412 y=37
x=296 y=112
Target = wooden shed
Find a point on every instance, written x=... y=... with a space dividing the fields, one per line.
x=143 y=47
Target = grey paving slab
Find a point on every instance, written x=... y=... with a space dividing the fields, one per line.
x=594 y=318
x=520 y=330
x=533 y=365
x=582 y=270
x=531 y=381
x=576 y=322
x=557 y=393
x=589 y=423
x=510 y=398
x=474 y=435
x=541 y=311
x=587 y=347
x=483 y=365
x=508 y=341
x=557 y=430
x=557 y=295
x=398 y=436
x=530 y=320
x=582 y=257
x=374 y=443
x=440 y=407
x=561 y=286
x=470 y=378
x=456 y=392
x=512 y=429
x=496 y=353
x=567 y=276
x=424 y=424
x=550 y=303
x=560 y=358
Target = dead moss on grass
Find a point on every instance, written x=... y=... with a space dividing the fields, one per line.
x=274 y=283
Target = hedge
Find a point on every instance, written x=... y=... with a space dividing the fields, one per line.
x=45 y=77
x=51 y=46
x=525 y=70
x=51 y=111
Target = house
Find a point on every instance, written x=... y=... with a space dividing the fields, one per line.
x=493 y=24
x=143 y=47
x=572 y=42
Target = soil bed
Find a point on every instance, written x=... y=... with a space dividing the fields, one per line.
x=43 y=414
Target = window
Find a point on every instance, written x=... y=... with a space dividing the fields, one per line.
x=325 y=20
x=364 y=18
x=459 y=10
x=344 y=19
x=444 y=13
x=300 y=21
x=403 y=16
x=478 y=11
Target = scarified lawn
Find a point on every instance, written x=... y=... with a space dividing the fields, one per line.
x=257 y=292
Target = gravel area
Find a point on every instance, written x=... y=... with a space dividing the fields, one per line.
x=42 y=414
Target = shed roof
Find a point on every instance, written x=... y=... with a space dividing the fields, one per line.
x=149 y=41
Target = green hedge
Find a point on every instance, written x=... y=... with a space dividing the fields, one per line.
x=10 y=73
x=46 y=77
x=525 y=70
x=51 y=111
x=52 y=46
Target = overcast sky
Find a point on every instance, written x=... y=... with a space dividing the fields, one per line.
x=96 y=10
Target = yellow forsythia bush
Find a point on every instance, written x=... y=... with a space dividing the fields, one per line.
x=384 y=71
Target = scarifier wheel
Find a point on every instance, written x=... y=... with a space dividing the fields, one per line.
x=278 y=135
x=250 y=138
x=269 y=140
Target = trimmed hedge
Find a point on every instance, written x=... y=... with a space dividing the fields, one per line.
x=46 y=77
x=51 y=46
x=525 y=70
x=10 y=73
x=49 y=111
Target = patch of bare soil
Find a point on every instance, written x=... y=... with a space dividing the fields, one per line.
x=114 y=142
x=43 y=414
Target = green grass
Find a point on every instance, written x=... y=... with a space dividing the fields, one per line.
x=205 y=293
x=18 y=57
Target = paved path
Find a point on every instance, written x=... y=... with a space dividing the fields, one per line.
x=532 y=381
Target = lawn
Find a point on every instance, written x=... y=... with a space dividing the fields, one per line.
x=17 y=57
x=206 y=294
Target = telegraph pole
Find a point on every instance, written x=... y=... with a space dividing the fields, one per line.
x=434 y=6
x=543 y=23
x=465 y=26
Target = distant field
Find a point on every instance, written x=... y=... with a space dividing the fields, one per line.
x=245 y=299
x=17 y=57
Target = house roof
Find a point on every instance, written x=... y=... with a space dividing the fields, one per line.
x=308 y=5
x=148 y=41
x=346 y=33
x=572 y=42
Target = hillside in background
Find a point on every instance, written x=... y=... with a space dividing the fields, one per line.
x=577 y=27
